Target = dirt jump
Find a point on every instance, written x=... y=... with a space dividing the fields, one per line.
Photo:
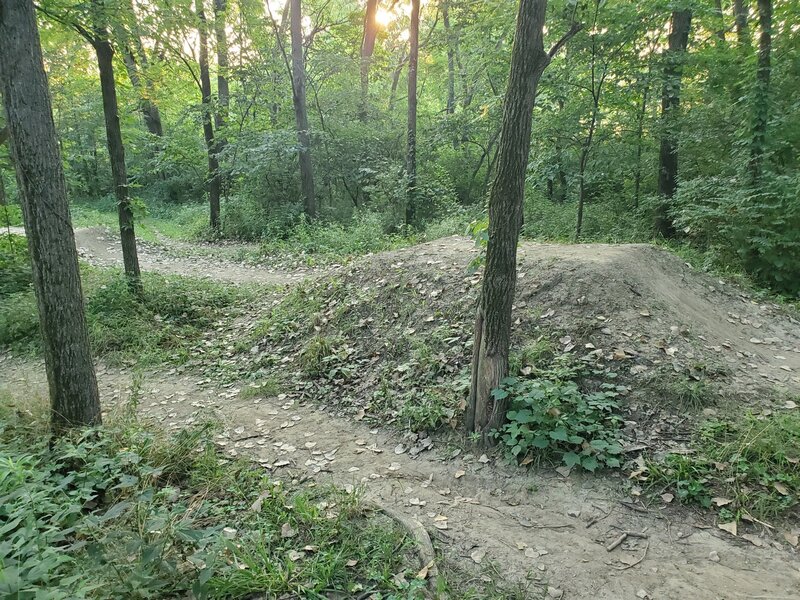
x=553 y=536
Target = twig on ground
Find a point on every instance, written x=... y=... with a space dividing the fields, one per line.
x=633 y=564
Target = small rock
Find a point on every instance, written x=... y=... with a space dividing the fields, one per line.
x=554 y=592
x=574 y=513
x=713 y=556
x=642 y=594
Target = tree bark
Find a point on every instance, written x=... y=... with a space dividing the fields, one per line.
x=74 y=400
x=223 y=89
x=214 y=184
x=116 y=152
x=451 y=59
x=411 y=146
x=740 y=10
x=761 y=99
x=367 y=49
x=674 y=57
x=720 y=32
x=493 y=323
x=301 y=111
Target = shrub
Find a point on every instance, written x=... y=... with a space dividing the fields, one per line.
x=10 y=215
x=754 y=228
x=552 y=418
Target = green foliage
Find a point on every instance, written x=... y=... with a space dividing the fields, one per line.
x=752 y=462
x=166 y=325
x=10 y=215
x=756 y=229
x=15 y=265
x=552 y=418
x=127 y=512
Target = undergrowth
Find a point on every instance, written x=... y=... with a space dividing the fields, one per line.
x=565 y=413
x=745 y=466
x=127 y=511
x=166 y=326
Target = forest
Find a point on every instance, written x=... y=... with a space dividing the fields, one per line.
x=399 y=299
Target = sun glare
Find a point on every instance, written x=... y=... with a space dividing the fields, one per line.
x=384 y=17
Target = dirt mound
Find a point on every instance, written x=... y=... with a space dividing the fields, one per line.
x=635 y=305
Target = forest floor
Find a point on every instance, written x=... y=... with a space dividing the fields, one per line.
x=544 y=533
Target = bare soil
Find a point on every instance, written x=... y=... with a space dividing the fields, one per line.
x=636 y=305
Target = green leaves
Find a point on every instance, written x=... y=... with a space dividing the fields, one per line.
x=553 y=418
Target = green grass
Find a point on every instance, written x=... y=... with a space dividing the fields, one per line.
x=127 y=511
x=168 y=326
x=752 y=462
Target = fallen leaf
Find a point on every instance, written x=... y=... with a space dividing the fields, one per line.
x=423 y=572
x=477 y=555
x=721 y=501
x=287 y=531
x=294 y=555
x=667 y=498
x=399 y=449
x=792 y=537
x=781 y=488
x=753 y=539
x=790 y=404
x=459 y=474
x=483 y=459
x=351 y=563
x=729 y=527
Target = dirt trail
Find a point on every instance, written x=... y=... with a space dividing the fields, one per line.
x=533 y=527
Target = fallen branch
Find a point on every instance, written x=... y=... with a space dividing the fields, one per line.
x=615 y=544
x=424 y=546
x=633 y=564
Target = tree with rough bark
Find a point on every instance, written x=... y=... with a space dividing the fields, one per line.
x=214 y=184
x=486 y=411
x=411 y=128
x=301 y=110
x=367 y=49
x=223 y=88
x=761 y=95
x=674 y=58
x=74 y=399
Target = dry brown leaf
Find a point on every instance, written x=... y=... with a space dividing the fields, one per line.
x=781 y=488
x=424 y=571
x=287 y=531
x=721 y=501
x=729 y=527
x=753 y=539
x=351 y=563
x=792 y=537
x=477 y=555
x=459 y=474
x=667 y=498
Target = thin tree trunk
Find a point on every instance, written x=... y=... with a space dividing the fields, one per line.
x=74 y=400
x=411 y=147
x=214 y=185
x=637 y=181
x=223 y=90
x=116 y=152
x=396 y=80
x=670 y=104
x=301 y=111
x=740 y=10
x=493 y=323
x=3 y=198
x=761 y=100
x=148 y=109
x=720 y=32
x=367 y=48
x=451 y=59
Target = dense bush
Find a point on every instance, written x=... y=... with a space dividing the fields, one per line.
x=756 y=228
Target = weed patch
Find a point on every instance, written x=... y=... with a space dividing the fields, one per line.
x=747 y=466
x=128 y=512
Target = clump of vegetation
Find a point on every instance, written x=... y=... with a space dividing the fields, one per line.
x=128 y=512
x=165 y=325
x=552 y=418
x=15 y=265
x=745 y=466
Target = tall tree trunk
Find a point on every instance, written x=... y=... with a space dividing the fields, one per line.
x=148 y=109
x=396 y=80
x=214 y=184
x=493 y=323
x=451 y=59
x=740 y=10
x=223 y=90
x=3 y=198
x=411 y=147
x=640 y=117
x=761 y=99
x=74 y=400
x=367 y=48
x=720 y=15
x=301 y=111
x=116 y=152
x=674 y=57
